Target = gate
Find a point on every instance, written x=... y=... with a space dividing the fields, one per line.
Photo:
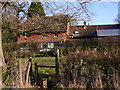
x=40 y=81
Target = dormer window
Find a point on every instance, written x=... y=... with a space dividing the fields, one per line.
x=55 y=35
x=85 y=27
x=44 y=35
x=76 y=33
x=27 y=36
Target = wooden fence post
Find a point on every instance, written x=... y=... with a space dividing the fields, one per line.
x=57 y=62
x=74 y=77
x=20 y=71
x=98 y=79
x=0 y=77
x=27 y=75
x=31 y=72
x=36 y=73
x=44 y=82
x=116 y=79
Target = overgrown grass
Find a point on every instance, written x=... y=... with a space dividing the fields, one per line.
x=40 y=60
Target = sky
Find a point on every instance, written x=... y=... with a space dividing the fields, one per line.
x=105 y=13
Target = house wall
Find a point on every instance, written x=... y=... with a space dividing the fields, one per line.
x=40 y=43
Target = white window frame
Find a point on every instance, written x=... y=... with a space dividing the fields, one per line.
x=76 y=32
x=50 y=45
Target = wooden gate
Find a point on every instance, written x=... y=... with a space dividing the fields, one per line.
x=56 y=67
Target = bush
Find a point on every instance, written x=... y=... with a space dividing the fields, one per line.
x=50 y=53
x=95 y=59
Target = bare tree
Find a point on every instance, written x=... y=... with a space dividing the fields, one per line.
x=2 y=62
x=9 y=11
x=118 y=18
x=77 y=9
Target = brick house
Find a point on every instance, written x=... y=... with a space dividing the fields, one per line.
x=44 y=32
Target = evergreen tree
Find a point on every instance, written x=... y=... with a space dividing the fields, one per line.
x=36 y=8
x=8 y=32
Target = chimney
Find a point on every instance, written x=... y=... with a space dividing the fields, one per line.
x=68 y=28
x=85 y=25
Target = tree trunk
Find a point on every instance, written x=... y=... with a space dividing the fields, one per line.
x=2 y=61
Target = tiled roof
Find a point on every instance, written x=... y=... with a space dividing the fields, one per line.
x=39 y=38
x=51 y=24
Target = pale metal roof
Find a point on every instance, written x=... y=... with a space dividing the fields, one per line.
x=108 y=32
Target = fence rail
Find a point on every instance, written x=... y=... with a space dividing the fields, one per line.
x=46 y=66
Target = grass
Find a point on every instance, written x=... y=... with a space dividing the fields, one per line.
x=40 y=60
x=47 y=61
x=48 y=71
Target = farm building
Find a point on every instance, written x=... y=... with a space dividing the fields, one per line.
x=95 y=34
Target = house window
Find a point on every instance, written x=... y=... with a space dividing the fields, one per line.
x=55 y=35
x=25 y=37
x=50 y=45
x=85 y=27
x=76 y=33
x=44 y=35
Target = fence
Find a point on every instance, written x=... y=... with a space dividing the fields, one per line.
x=76 y=74
x=56 y=67
x=19 y=75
